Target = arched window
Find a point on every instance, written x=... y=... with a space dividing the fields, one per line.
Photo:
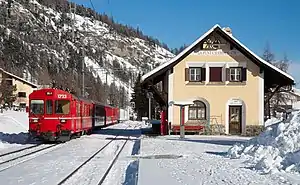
x=197 y=111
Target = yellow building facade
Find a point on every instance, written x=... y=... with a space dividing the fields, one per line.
x=221 y=82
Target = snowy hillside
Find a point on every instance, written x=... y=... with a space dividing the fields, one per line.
x=52 y=43
x=276 y=149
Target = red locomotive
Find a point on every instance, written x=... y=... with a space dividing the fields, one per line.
x=56 y=115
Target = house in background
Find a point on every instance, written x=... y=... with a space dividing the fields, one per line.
x=223 y=82
x=24 y=87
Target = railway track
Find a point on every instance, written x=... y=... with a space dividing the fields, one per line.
x=113 y=162
x=16 y=158
x=20 y=150
x=67 y=178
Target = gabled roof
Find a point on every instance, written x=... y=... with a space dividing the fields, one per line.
x=19 y=78
x=195 y=43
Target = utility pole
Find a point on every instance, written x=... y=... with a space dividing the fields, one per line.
x=73 y=12
x=83 y=85
x=9 y=7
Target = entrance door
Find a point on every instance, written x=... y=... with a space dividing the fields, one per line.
x=235 y=120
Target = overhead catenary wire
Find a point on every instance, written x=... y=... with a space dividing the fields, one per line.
x=92 y=5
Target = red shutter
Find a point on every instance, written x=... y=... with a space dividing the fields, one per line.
x=244 y=74
x=215 y=74
x=186 y=74
x=203 y=74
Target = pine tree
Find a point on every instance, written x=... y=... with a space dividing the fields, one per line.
x=139 y=98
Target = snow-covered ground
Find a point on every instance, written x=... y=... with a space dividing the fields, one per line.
x=151 y=160
x=198 y=160
x=13 y=129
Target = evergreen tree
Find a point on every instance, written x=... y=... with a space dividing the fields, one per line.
x=139 y=98
x=7 y=93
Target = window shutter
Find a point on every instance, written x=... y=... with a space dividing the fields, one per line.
x=203 y=73
x=244 y=74
x=186 y=74
x=227 y=74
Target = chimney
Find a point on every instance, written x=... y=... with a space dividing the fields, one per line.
x=228 y=30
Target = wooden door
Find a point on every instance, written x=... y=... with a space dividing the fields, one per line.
x=235 y=120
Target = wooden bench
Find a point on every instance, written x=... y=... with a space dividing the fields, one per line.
x=189 y=128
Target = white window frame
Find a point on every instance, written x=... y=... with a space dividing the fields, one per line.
x=235 y=72
x=197 y=73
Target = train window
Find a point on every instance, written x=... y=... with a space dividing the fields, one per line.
x=37 y=106
x=49 y=107
x=62 y=106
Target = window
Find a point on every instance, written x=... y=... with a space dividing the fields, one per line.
x=9 y=82
x=215 y=74
x=37 y=106
x=22 y=94
x=49 y=107
x=235 y=74
x=194 y=74
x=197 y=111
x=62 y=106
x=22 y=105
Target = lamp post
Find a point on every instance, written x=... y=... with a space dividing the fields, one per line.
x=181 y=106
x=149 y=96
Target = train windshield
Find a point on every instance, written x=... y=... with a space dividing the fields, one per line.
x=37 y=106
x=62 y=107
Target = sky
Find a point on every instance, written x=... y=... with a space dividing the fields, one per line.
x=178 y=22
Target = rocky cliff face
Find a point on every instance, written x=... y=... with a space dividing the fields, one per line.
x=43 y=41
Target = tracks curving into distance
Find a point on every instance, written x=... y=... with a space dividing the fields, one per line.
x=94 y=155
x=23 y=155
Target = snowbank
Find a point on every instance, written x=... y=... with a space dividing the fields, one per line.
x=13 y=128
x=276 y=149
x=272 y=121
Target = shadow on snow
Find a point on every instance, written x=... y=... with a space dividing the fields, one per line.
x=132 y=170
x=225 y=142
x=118 y=132
x=223 y=154
x=20 y=138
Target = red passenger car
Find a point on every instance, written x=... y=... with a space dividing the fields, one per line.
x=55 y=114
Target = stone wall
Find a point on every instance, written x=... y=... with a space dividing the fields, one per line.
x=253 y=130
x=217 y=129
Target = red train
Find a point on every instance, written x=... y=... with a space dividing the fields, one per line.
x=56 y=115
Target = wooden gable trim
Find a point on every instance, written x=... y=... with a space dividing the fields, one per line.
x=256 y=61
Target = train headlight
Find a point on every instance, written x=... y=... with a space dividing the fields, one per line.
x=35 y=120
x=62 y=120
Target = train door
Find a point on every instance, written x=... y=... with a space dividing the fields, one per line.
x=78 y=118
x=81 y=116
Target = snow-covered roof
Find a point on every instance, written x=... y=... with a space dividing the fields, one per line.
x=295 y=92
x=19 y=78
x=175 y=59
